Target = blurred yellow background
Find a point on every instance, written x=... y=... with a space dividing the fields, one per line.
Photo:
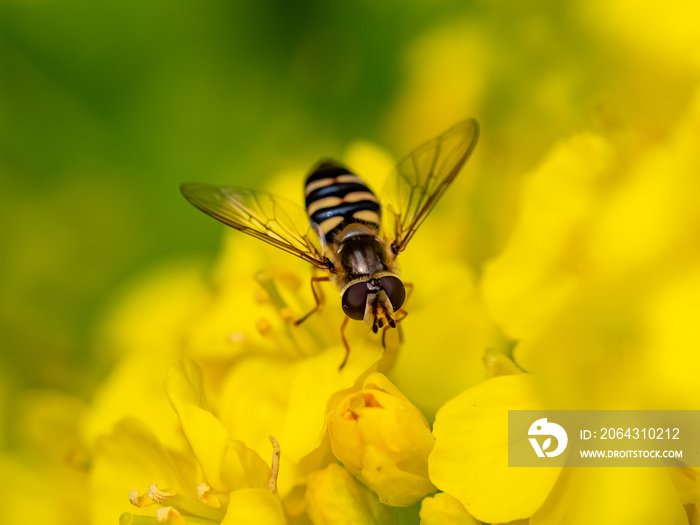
x=106 y=107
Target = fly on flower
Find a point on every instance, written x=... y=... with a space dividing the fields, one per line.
x=341 y=231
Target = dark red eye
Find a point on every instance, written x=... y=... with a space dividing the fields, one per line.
x=354 y=301
x=394 y=289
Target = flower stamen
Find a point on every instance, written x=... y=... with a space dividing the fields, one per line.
x=206 y=509
x=159 y=496
x=264 y=326
x=139 y=501
x=275 y=466
x=207 y=496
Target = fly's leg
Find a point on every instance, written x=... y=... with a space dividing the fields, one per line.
x=318 y=297
x=401 y=314
x=345 y=343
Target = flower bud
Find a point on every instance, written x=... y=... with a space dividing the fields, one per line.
x=383 y=440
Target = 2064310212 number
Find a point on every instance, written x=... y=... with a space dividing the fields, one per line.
x=639 y=433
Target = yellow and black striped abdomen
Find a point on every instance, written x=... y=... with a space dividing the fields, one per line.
x=335 y=198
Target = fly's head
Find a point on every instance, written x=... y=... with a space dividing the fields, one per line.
x=374 y=300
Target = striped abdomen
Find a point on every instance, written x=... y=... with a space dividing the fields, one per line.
x=335 y=198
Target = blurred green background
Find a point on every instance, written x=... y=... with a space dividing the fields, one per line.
x=106 y=107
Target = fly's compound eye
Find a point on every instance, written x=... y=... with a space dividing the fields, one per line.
x=354 y=301
x=394 y=289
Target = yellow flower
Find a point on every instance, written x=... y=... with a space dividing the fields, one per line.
x=131 y=467
x=597 y=281
x=470 y=463
x=261 y=375
x=586 y=272
x=288 y=399
x=384 y=440
x=197 y=487
x=543 y=264
x=617 y=278
x=598 y=284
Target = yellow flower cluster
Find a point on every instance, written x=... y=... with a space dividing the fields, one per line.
x=593 y=294
x=201 y=453
x=350 y=447
x=598 y=285
x=573 y=282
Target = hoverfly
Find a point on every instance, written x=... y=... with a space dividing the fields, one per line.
x=341 y=231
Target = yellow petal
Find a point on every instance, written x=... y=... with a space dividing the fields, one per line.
x=672 y=374
x=152 y=312
x=687 y=483
x=444 y=297
x=649 y=34
x=370 y=161
x=255 y=506
x=226 y=464
x=62 y=491
x=334 y=498
x=228 y=323
x=131 y=458
x=540 y=268
x=288 y=400
x=632 y=280
x=49 y=424
x=147 y=327
x=434 y=90
x=470 y=458
x=609 y=496
x=313 y=382
x=243 y=467
x=394 y=485
x=499 y=364
x=443 y=509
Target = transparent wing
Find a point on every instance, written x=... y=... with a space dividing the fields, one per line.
x=272 y=219
x=421 y=178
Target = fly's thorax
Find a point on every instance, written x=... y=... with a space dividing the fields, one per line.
x=362 y=256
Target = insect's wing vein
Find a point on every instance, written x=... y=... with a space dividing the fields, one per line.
x=272 y=219
x=420 y=180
